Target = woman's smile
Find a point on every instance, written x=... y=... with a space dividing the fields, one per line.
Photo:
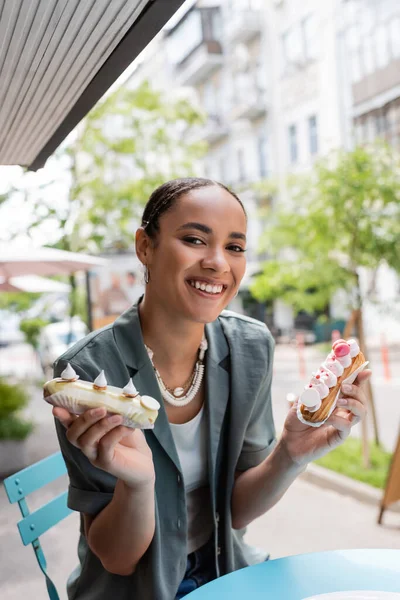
x=207 y=288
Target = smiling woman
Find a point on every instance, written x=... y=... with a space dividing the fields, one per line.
x=192 y=240
x=164 y=509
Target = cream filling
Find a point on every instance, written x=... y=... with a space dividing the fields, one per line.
x=206 y=287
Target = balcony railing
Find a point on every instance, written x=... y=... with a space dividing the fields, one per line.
x=251 y=103
x=200 y=63
x=214 y=129
x=244 y=25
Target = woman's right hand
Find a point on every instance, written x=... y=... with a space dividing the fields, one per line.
x=118 y=450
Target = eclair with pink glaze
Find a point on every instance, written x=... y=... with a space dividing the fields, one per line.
x=342 y=365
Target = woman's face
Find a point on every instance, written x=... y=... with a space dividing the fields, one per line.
x=199 y=261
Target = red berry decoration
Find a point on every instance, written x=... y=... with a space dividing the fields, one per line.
x=341 y=349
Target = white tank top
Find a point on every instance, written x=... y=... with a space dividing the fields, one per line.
x=192 y=447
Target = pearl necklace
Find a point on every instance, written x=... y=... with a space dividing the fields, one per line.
x=178 y=397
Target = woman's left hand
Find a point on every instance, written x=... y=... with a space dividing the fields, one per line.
x=304 y=444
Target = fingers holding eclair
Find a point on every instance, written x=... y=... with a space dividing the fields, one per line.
x=352 y=403
x=78 y=396
x=319 y=398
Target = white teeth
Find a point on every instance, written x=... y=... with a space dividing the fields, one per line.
x=207 y=287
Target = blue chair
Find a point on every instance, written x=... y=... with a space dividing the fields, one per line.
x=33 y=525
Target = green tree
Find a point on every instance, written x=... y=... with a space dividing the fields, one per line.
x=31 y=328
x=17 y=301
x=342 y=216
x=130 y=142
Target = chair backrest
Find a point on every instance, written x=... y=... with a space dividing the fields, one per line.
x=33 y=525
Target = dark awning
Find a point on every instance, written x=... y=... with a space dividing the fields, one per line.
x=57 y=58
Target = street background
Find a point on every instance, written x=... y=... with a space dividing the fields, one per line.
x=309 y=518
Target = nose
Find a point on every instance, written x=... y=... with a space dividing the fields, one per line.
x=216 y=260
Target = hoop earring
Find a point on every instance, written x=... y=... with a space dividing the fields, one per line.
x=146 y=275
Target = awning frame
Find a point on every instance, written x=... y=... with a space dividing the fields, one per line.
x=153 y=17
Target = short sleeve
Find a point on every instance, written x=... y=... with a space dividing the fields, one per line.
x=90 y=489
x=260 y=436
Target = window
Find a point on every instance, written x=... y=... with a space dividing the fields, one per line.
x=185 y=38
x=210 y=98
x=382 y=46
x=212 y=25
x=222 y=170
x=394 y=36
x=310 y=37
x=292 y=46
x=381 y=125
x=262 y=144
x=353 y=44
x=358 y=132
x=240 y=5
x=390 y=116
x=368 y=56
x=366 y=19
x=365 y=130
x=241 y=165
x=313 y=134
x=355 y=65
x=387 y=8
x=293 y=149
x=300 y=42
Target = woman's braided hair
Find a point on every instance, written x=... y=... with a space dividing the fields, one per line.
x=164 y=197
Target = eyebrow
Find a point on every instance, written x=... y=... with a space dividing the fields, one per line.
x=205 y=229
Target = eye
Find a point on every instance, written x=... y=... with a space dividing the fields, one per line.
x=236 y=248
x=193 y=240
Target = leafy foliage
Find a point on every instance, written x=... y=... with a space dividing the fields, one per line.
x=344 y=215
x=14 y=428
x=17 y=301
x=12 y=399
x=31 y=329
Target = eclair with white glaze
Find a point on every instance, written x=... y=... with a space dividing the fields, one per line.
x=77 y=396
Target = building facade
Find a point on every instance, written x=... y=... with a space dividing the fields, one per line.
x=281 y=83
x=369 y=32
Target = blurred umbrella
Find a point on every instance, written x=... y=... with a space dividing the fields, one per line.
x=33 y=283
x=6 y=286
x=16 y=261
